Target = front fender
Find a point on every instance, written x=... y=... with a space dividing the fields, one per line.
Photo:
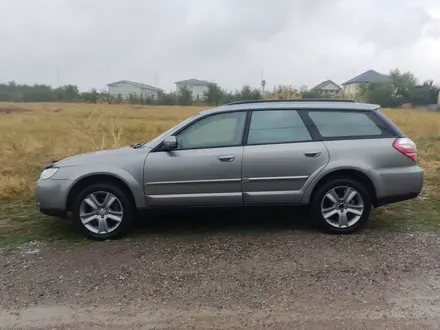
x=333 y=167
x=134 y=185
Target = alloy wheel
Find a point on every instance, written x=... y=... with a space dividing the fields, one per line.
x=101 y=212
x=342 y=207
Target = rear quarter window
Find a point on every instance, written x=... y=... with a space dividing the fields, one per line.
x=387 y=124
x=334 y=124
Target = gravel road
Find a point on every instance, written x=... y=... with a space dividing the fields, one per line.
x=282 y=279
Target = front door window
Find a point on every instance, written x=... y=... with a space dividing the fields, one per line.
x=220 y=130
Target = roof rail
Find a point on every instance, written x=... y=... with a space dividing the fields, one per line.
x=291 y=100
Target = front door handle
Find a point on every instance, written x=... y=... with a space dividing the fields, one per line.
x=312 y=154
x=226 y=158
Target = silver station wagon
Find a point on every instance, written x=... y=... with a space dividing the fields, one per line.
x=339 y=157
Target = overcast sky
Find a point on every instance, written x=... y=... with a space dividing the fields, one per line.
x=95 y=42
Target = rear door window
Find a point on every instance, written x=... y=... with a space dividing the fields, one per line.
x=339 y=124
x=277 y=126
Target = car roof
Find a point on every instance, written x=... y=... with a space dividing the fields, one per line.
x=296 y=104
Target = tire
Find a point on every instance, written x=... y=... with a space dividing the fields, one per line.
x=323 y=203
x=100 y=223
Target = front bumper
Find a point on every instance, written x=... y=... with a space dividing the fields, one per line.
x=51 y=196
x=53 y=212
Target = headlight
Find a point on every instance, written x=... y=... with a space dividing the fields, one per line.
x=48 y=173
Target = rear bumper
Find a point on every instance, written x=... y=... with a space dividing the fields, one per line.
x=394 y=199
x=399 y=184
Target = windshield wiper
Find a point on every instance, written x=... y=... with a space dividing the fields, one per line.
x=138 y=145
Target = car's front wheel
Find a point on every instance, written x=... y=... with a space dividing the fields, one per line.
x=103 y=211
x=341 y=205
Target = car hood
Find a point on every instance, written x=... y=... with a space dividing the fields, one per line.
x=108 y=157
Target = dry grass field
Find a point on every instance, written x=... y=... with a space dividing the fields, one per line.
x=51 y=131
x=35 y=133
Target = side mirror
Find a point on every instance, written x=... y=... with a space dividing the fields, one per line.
x=170 y=143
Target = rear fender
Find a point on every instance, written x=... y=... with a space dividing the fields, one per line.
x=334 y=167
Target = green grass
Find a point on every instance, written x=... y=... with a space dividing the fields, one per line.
x=422 y=214
x=22 y=222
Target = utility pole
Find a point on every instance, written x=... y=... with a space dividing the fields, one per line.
x=263 y=83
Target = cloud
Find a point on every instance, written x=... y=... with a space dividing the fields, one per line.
x=227 y=41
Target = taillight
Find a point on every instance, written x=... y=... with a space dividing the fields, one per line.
x=407 y=147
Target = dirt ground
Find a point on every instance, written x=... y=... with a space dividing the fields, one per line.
x=287 y=279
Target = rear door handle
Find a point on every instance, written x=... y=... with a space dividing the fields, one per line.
x=312 y=154
x=226 y=158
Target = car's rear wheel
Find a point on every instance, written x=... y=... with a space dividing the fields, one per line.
x=341 y=206
x=103 y=211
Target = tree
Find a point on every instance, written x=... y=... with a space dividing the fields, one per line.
x=247 y=93
x=422 y=95
x=36 y=93
x=184 y=97
x=71 y=93
x=256 y=94
x=93 y=95
x=405 y=85
x=167 y=98
x=380 y=93
x=214 y=95
x=426 y=93
x=14 y=92
x=67 y=93
x=229 y=97
x=90 y=97
x=134 y=99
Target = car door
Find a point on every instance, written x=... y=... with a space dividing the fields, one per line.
x=205 y=168
x=279 y=158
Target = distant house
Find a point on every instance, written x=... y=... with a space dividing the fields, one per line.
x=125 y=88
x=197 y=87
x=327 y=87
x=351 y=87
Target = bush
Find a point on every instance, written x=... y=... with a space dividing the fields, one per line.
x=311 y=95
